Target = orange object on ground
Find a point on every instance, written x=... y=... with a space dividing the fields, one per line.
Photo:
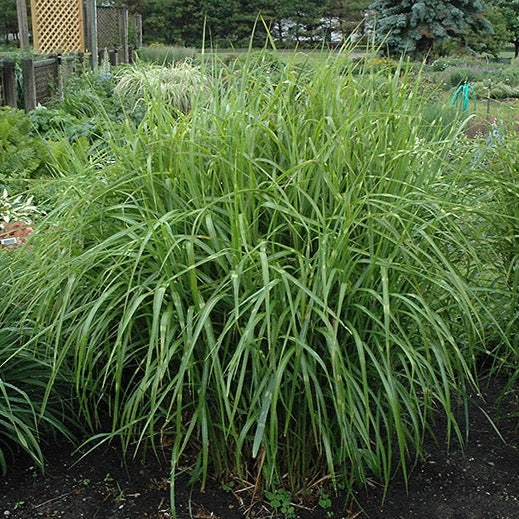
x=19 y=230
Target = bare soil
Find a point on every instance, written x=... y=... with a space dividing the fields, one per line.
x=479 y=482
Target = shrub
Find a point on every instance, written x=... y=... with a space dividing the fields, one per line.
x=455 y=71
x=21 y=151
x=284 y=281
x=457 y=76
x=498 y=89
x=451 y=62
x=55 y=123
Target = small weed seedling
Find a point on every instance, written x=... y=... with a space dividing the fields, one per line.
x=325 y=501
x=280 y=501
x=228 y=487
x=19 y=504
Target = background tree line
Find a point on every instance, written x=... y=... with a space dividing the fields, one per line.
x=231 y=22
x=415 y=27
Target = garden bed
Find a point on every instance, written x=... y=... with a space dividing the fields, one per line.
x=481 y=482
x=300 y=307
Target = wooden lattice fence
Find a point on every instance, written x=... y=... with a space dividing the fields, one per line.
x=69 y=26
x=65 y=26
x=113 y=30
x=46 y=79
x=43 y=80
x=8 y=91
x=57 y=26
x=108 y=31
x=111 y=26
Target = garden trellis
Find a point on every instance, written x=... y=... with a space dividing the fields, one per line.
x=67 y=35
x=57 y=26
x=64 y=26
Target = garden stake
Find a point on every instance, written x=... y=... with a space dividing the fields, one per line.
x=488 y=97
x=465 y=90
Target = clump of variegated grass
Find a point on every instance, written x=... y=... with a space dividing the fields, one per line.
x=166 y=54
x=280 y=280
x=175 y=85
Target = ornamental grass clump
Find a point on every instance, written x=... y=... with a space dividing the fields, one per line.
x=496 y=199
x=25 y=414
x=280 y=281
x=175 y=85
x=164 y=54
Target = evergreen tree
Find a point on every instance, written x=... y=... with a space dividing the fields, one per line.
x=171 y=21
x=8 y=18
x=510 y=11
x=345 y=16
x=220 y=17
x=247 y=19
x=413 y=26
x=305 y=17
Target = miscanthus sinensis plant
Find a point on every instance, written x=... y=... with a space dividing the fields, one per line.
x=175 y=85
x=281 y=281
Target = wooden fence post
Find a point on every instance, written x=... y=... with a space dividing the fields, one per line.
x=79 y=64
x=113 y=57
x=123 y=32
x=29 y=84
x=10 y=91
x=90 y=9
x=23 y=26
x=59 y=74
x=138 y=30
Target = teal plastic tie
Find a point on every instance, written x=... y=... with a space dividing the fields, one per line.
x=464 y=91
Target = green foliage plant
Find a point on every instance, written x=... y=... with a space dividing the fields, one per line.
x=23 y=378
x=88 y=96
x=175 y=86
x=21 y=150
x=14 y=209
x=413 y=28
x=280 y=501
x=282 y=279
x=166 y=55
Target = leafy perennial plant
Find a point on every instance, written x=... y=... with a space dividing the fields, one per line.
x=283 y=280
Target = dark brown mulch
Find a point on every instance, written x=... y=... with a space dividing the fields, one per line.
x=482 y=482
x=479 y=482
